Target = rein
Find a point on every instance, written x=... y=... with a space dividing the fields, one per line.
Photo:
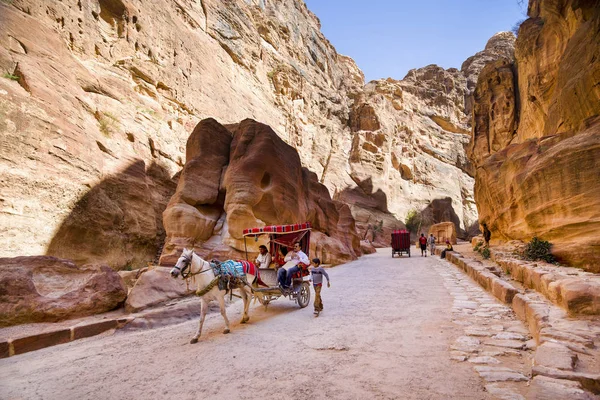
x=190 y=276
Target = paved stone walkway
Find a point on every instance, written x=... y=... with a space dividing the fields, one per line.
x=494 y=341
x=393 y=328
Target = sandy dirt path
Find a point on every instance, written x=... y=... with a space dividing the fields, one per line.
x=385 y=333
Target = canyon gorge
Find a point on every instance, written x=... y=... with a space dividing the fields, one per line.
x=99 y=99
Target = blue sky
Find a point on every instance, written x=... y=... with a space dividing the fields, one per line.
x=387 y=38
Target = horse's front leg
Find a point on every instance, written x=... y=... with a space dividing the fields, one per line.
x=246 y=299
x=203 y=310
x=221 y=299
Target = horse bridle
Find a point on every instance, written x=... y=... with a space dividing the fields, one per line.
x=188 y=262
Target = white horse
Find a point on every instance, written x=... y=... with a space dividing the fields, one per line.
x=190 y=265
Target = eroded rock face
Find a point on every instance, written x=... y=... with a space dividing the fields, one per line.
x=119 y=221
x=260 y=181
x=48 y=289
x=536 y=146
x=104 y=84
x=410 y=138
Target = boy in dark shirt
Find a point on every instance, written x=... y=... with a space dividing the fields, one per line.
x=317 y=273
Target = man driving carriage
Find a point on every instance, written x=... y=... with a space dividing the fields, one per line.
x=293 y=258
x=263 y=260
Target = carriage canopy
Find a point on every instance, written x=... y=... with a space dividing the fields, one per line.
x=278 y=229
x=283 y=235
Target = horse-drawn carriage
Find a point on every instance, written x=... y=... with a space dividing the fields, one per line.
x=215 y=279
x=400 y=242
x=281 y=237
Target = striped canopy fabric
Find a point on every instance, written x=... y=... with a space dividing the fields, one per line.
x=277 y=229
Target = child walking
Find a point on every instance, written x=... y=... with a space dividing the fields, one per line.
x=317 y=277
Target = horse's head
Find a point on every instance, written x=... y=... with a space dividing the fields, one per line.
x=183 y=265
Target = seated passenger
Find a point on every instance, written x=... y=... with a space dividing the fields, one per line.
x=280 y=257
x=448 y=248
x=263 y=260
x=293 y=258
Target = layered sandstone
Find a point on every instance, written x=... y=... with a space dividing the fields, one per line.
x=409 y=140
x=536 y=133
x=103 y=87
x=245 y=176
x=103 y=93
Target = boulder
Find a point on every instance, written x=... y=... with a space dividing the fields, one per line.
x=155 y=287
x=367 y=247
x=49 y=289
x=260 y=182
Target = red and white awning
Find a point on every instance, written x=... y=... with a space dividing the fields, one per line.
x=277 y=229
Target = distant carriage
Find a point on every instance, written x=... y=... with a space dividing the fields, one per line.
x=400 y=242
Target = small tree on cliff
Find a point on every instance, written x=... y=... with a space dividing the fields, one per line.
x=413 y=221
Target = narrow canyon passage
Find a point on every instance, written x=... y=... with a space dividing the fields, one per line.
x=392 y=328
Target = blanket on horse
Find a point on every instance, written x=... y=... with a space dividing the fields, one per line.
x=234 y=274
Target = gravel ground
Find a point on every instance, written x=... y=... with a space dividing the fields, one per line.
x=386 y=333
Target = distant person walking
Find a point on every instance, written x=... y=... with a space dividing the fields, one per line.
x=317 y=273
x=431 y=241
x=487 y=235
x=423 y=243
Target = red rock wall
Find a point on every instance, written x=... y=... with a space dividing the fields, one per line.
x=246 y=177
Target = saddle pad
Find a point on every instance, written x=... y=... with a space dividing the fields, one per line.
x=232 y=268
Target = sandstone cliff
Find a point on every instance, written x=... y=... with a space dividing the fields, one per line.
x=108 y=91
x=536 y=133
x=409 y=140
x=99 y=97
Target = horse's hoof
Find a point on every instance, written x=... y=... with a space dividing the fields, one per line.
x=194 y=340
x=226 y=331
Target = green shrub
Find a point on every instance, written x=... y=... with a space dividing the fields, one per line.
x=107 y=123
x=485 y=253
x=11 y=77
x=539 y=250
x=377 y=229
x=413 y=221
x=477 y=247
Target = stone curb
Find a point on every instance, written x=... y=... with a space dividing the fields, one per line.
x=576 y=291
x=501 y=289
x=536 y=315
x=25 y=344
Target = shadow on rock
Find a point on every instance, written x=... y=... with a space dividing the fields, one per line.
x=119 y=221
x=374 y=222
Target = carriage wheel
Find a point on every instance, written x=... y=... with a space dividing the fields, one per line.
x=304 y=295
